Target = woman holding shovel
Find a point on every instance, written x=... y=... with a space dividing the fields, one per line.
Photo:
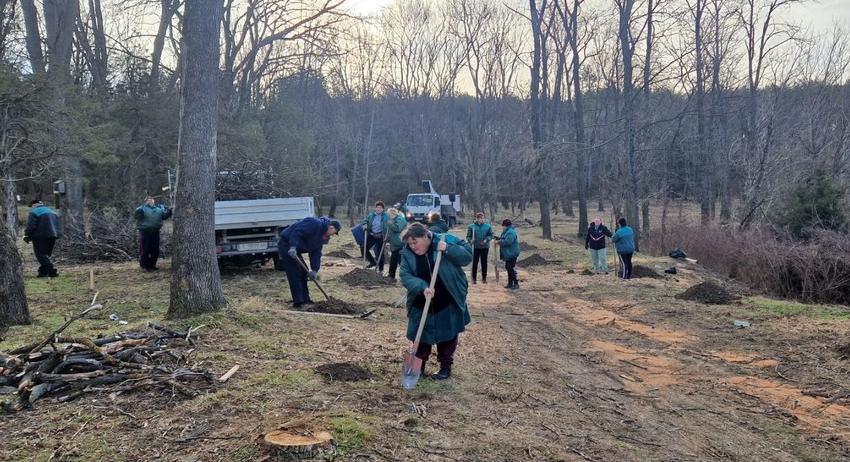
x=395 y=227
x=509 y=252
x=447 y=313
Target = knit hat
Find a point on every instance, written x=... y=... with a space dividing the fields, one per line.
x=506 y=222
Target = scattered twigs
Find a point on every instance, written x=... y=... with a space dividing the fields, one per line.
x=69 y=367
x=65 y=326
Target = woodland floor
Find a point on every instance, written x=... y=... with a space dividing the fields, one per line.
x=571 y=367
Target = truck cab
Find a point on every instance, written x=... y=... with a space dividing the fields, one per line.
x=422 y=206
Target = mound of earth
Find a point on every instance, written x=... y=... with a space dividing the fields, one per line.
x=333 y=306
x=365 y=278
x=526 y=246
x=537 y=260
x=343 y=372
x=640 y=271
x=708 y=292
x=338 y=254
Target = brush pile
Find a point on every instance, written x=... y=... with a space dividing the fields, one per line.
x=69 y=367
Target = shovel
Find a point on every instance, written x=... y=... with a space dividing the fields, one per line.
x=304 y=267
x=412 y=367
x=496 y=258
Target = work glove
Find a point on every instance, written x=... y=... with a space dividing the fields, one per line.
x=27 y=239
x=292 y=252
x=313 y=275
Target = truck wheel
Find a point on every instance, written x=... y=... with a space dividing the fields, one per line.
x=278 y=265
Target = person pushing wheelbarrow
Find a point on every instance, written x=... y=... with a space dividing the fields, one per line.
x=447 y=315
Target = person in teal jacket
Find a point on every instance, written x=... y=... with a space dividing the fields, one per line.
x=375 y=226
x=479 y=234
x=509 y=252
x=43 y=228
x=437 y=224
x=624 y=240
x=149 y=218
x=448 y=313
x=395 y=227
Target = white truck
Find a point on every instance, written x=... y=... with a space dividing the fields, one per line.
x=246 y=231
x=421 y=206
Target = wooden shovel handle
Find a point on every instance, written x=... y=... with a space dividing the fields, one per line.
x=304 y=267
x=427 y=303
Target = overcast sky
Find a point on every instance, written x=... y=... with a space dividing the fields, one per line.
x=819 y=14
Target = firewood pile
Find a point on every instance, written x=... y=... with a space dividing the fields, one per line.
x=65 y=367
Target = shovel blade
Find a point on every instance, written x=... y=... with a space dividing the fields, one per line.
x=411 y=369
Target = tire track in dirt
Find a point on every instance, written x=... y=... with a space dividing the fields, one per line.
x=816 y=415
x=611 y=417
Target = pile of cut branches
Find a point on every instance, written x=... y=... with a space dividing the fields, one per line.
x=68 y=367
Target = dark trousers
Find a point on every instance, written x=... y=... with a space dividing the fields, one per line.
x=148 y=248
x=297 y=279
x=395 y=259
x=479 y=255
x=43 y=250
x=445 y=353
x=510 y=266
x=373 y=244
x=625 y=265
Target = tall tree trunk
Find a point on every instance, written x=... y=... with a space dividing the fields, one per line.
x=578 y=104
x=33 y=36
x=704 y=171
x=541 y=167
x=195 y=278
x=13 y=308
x=627 y=50
x=59 y=20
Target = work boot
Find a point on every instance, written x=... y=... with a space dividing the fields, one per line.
x=54 y=274
x=510 y=285
x=516 y=285
x=445 y=373
x=484 y=280
x=474 y=281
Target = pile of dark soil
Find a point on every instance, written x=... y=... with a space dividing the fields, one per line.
x=526 y=246
x=338 y=254
x=365 y=278
x=536 y=260
x=640 y=271
x=708 y=292
x=586 y=272
x=333 y=306
x=343 y=372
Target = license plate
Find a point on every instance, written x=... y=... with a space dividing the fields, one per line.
x=253 y=246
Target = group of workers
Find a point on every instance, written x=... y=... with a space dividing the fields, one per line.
x=413 y=251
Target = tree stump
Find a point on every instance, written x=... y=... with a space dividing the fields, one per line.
x=297 y=443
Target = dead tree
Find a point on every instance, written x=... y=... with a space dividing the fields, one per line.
x=195 y=278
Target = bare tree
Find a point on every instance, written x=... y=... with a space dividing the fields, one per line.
x=764 y=34
x=195 y=278
x=625 y=9
x=540 y=163
x=258 y=43
x=33 y=36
